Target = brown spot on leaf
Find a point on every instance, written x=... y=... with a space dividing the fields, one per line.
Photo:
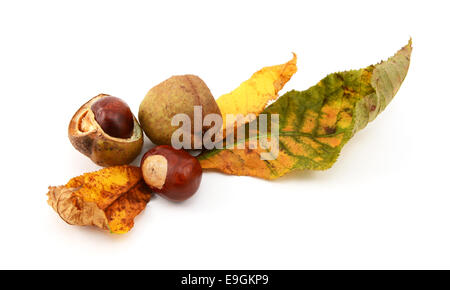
x=330 y=130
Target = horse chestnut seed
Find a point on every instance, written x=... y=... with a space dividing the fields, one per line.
x=114 y=117
x=172 y=173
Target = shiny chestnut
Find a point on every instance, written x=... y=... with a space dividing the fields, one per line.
x=114 y=117
x=172 y=173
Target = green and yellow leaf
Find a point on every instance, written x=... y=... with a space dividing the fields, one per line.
x=315 y=124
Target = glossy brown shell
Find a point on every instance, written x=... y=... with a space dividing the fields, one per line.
x=184 y=173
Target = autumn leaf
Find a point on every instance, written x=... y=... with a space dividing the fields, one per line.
x=253 y=95
x=109 y=198
x=315 y=124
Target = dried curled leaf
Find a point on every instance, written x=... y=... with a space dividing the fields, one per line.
x=315 y=124
x=253 y=95
x=109 y=198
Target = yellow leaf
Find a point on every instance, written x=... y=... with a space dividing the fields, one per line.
x=253 y=95
x=109 y=198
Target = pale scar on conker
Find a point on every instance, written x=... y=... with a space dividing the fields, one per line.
x=105 y=130
x=172 y=173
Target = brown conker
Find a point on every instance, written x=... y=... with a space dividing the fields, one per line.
x=172 y=173
x=114 y=117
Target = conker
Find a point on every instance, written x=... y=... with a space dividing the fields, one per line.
x=172 y=173
x=114 y=117
x=105 y=130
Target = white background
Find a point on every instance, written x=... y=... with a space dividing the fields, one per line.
x=384 y=204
